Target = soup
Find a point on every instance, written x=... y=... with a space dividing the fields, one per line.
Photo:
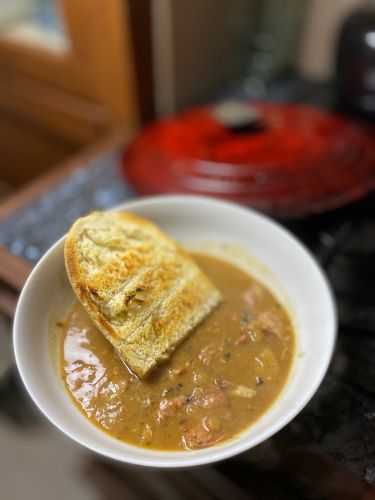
x=218 y=382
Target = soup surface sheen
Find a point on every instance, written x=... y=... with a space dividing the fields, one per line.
x=220 y=380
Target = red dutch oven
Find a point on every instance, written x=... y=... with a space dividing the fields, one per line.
x=284 y=159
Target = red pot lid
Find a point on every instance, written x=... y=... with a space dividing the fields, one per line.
x=292 y=160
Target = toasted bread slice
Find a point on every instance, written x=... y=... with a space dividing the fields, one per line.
x=144 y=293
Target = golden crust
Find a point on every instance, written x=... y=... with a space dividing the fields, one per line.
x=140 y=288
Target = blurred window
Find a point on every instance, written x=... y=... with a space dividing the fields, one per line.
x=37 y=23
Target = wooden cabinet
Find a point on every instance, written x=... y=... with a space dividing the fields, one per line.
x=54 y=102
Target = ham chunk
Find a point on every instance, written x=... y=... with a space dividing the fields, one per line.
x=210 y=352
x=200 y=436
x=209 y=398
x=168 y=407
x=271 y=324
x=254 y=295
x=240 y=391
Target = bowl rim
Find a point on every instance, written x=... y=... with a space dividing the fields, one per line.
x=216 y=453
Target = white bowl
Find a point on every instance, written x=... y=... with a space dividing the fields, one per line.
x=256 y=243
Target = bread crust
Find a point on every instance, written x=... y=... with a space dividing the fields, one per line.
x=141 y=289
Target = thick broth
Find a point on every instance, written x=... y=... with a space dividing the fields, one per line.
x=220 y=380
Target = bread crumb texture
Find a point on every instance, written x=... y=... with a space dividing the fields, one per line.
x=140 y=288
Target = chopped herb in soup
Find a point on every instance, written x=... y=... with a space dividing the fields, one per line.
x=218 y=382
